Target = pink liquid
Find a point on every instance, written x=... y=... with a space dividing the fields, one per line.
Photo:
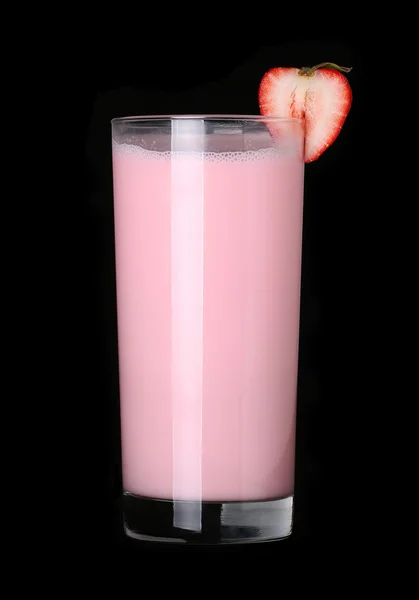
x=208 y=253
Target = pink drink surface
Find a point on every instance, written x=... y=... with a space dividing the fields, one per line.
x=208 y=251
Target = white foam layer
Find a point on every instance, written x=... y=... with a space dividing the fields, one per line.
x=219 y=157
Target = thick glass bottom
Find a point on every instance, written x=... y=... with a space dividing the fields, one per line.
x=189 y=522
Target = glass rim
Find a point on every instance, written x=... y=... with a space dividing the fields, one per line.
x=207 y=117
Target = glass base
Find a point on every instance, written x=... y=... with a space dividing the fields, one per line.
x=188 y=522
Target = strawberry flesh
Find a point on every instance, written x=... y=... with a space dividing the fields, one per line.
x=323 y=99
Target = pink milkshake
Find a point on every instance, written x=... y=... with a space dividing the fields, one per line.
x=208 y=224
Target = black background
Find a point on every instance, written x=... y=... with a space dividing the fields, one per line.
x=211 y=73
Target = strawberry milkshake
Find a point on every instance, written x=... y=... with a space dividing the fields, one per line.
x=208 y=237
x=208 y=221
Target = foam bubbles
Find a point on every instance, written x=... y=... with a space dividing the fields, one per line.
x=217 y=157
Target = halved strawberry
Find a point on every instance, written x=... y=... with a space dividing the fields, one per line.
x=321 y=95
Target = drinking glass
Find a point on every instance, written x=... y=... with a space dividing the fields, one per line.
x=208 y=236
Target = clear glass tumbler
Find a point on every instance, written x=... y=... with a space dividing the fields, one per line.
x=208 y=233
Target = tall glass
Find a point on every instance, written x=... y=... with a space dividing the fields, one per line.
x=208 y=226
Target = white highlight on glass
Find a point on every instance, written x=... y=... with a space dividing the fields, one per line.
x=187 y=230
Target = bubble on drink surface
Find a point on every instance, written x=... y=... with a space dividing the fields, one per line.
x=242 y=156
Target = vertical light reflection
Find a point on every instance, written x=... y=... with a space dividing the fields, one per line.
x=187 y=223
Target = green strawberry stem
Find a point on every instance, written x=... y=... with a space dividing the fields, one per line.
x=309 y=71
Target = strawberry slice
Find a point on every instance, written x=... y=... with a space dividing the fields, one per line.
x=321 y=95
